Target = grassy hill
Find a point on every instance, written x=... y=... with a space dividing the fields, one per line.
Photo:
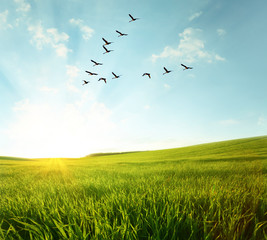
x=233 y=148
x=208 y=191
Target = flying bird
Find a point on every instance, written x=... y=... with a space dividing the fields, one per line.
x=166 y=70
x=107 y=51
x=85 y=82
x=132 y=18
x=185 y=67
x=96 y=63
x=91 y=73
x=103 y=79
x=106 y=42
x=115 y=76
x=148 y=74
x=121 y=34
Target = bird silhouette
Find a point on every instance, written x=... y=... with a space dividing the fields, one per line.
x=148 y=74
x=115 y=76
x=166 y=70
x=85 y=82
x=132 y=18
x=91 y=73
x=107 y=51
x=121 y=34
x=96 y=63
x=106 y=42
x=103 y=79
x=185 y=67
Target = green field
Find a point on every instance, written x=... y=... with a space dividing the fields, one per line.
x=207 y=191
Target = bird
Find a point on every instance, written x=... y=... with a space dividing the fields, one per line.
x=148 y=74
x=132 y=18
x=106 y=42
x=104 y=79
x=91 y=73
x=121 y=34
x=107 y=51
x=85 y=82
x=115 y=76
x=166 y=70
x=96 y=63
x=185 y=67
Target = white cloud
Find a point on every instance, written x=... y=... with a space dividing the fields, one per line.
x=167 y=86
x=3 y=20
x=72 y=130
x=219 y=58
x=62 y=50
x=191 y=48
x=87 y=32
x=195 y=15
x=56 y=36
x=23 y=6
x=72 y=73
x=49 y=90
x=228 y=122
x=51 y=37
x=146 y=107
x=262 y=121
x=221 y=32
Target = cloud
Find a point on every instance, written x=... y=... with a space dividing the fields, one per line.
x=191 y=48
x=72 y=130
x=229 y=122
x=23 y=6
x=166 y=86
x=72 y=73
x=147 y=107
x=62 y=50
x=87 y=32
x=194 y=16
x=219 y=58
x=221 y=32
x=56 y=36
x=262 y=121
x=51 y=37
x=49 y=90
x=3 y=20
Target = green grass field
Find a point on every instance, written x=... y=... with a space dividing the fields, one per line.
x=208 y=191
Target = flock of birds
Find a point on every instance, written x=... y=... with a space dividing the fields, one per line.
x=108 y=51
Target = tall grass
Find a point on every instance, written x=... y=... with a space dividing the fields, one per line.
x=209 y=191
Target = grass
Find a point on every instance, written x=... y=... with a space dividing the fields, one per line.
x=208 y=191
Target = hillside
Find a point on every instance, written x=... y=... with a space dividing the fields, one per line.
x=237 y=150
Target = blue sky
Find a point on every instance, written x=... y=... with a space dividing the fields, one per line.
x=46 y=46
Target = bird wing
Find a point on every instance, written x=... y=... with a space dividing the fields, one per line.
x=183 y=65
x=114 y=74
x=118 y=32
x=105 y=40
x=93 y=61
x=131 y=16
x=88 y=72
x=105 y=48
x=165 y=69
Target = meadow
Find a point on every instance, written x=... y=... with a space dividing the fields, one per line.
x=207 y=191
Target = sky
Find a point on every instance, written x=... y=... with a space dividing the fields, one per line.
x=46 y=47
